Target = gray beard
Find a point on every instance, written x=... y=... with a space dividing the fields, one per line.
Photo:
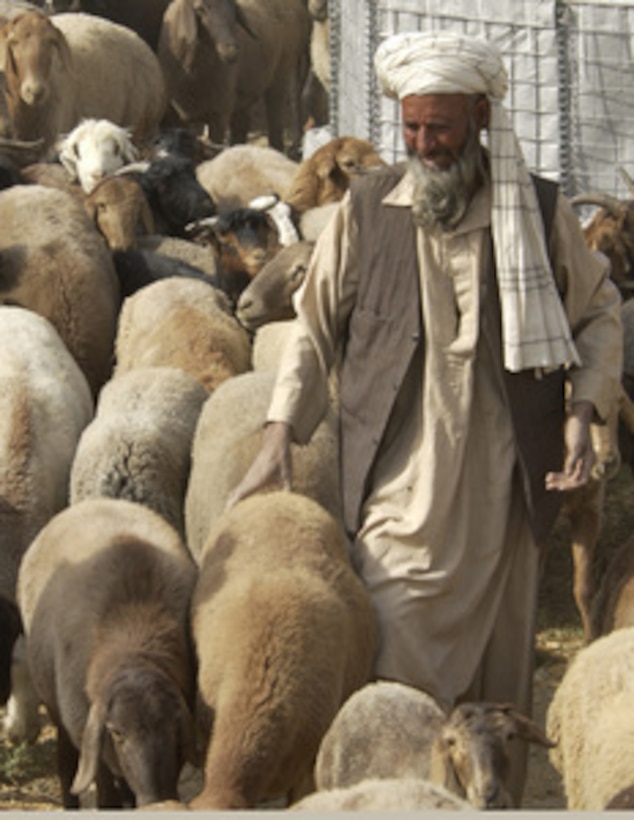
x=441 y=198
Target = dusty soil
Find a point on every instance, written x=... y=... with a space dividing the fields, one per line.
x=27 y=773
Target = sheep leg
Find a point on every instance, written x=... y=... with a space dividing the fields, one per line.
x=586 y=524
x=67 y=760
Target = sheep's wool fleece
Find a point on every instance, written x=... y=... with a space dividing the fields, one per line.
x=535 y=330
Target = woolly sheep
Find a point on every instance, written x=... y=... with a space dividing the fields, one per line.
x=388 y=729
x=120 y=211
x=269 y=343
x=138 y=445
x=591 y=718
x=284 y=633
x=182 y=323
x=226 y=440
x=384 y=794
x=95 y=149
x=45 y=404
x=240 y=173
x=185 y=250
x=114 y=669
x=56 y=263
x=104 y=70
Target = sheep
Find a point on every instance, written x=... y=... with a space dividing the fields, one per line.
x=284 y=632
x=384 y=794
x=115 y=670
x=389 y=729
x=269 y=296
x=240 y=173
x=95 y=149
x=227 y=438
x=325 y=175
x=53 y=261
x=46 y=403
x=61 y=69
x=184 y=323
x=184 y=250
x=138 y=445
x=219 y=57
x=591 y=718
x=269 y=343
x=119 y=209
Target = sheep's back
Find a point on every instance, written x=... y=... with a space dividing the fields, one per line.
x=117 y=75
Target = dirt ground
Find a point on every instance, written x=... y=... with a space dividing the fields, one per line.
x=27 y=773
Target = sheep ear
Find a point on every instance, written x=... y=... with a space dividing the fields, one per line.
x=129 y=150
x=67 y=158
x=325 y=166
x=90 y=752
x=244 y=23
x=526 y=728
x=181 y=19
x=4 y=47
x=91 y=209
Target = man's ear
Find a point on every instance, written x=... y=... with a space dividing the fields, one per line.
x=482 y=112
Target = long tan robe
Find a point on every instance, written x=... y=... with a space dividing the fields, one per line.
x=445 y=547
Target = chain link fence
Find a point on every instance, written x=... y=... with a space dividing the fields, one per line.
x=571 y=91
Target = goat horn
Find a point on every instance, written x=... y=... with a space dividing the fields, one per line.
x=133 y=167
x=610 y=203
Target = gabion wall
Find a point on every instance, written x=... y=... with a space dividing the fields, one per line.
x=571 y=94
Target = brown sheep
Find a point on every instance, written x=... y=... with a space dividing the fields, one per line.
x=325 y=176
x=115 y=669
x=284 y=632
x=61 y=69
x=119 y=209
x=182 y=323
x=55 y=262
x=221 y=56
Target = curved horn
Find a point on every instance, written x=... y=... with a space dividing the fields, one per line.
x=610 y=203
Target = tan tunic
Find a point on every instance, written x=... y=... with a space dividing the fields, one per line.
x=444 y=547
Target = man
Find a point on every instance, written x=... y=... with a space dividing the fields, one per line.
x=459 y=296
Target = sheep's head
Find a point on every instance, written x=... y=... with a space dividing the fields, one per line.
x=471 y=752
x=95 y=149
x=120 y=210
x=29 y=43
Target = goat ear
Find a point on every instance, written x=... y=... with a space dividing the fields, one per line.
x=181 y=19
x=4 y=47
x=244 y=23
x=90 y=752
x=64 y=51
x=91 y=208
x=325 y=165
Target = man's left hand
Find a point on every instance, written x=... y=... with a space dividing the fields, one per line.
x=580 y=455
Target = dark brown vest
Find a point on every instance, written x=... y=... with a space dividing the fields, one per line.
x=386 y=336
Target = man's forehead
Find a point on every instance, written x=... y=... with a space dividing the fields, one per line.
x=438 y=104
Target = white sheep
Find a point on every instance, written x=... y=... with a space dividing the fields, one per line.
x=138 y=445
x=284 y=633
x=591 y=717
x=240 y=173
x=183 y=323
x=384 y=794
x=95 y=149
x=71 y=66
x=227 y=438
x=389 y=729
x=45 y=403
x=104 y=591
x=55 y=262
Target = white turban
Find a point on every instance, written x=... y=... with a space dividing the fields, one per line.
x=535 y=329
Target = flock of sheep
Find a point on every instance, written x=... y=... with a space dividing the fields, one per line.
x=147 y=282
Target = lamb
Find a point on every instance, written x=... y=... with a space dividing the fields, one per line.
x=122 y=696
x=226 y=440
x=94 y=149
x=388 y=729
x=104 y=71
x=281 y=622
x=240 y=173
x=383 y=794
x=325 y=175
x=54 y=261
x=181 y=322
x=138 y=445
x=42 y=386
x=591 y=718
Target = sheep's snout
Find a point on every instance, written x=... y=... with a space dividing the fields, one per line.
x=228 y=52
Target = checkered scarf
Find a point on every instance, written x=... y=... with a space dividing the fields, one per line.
x=535 y=330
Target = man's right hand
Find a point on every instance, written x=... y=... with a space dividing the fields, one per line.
x=271 y=465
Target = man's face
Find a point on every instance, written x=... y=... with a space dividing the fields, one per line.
x=436 y=127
